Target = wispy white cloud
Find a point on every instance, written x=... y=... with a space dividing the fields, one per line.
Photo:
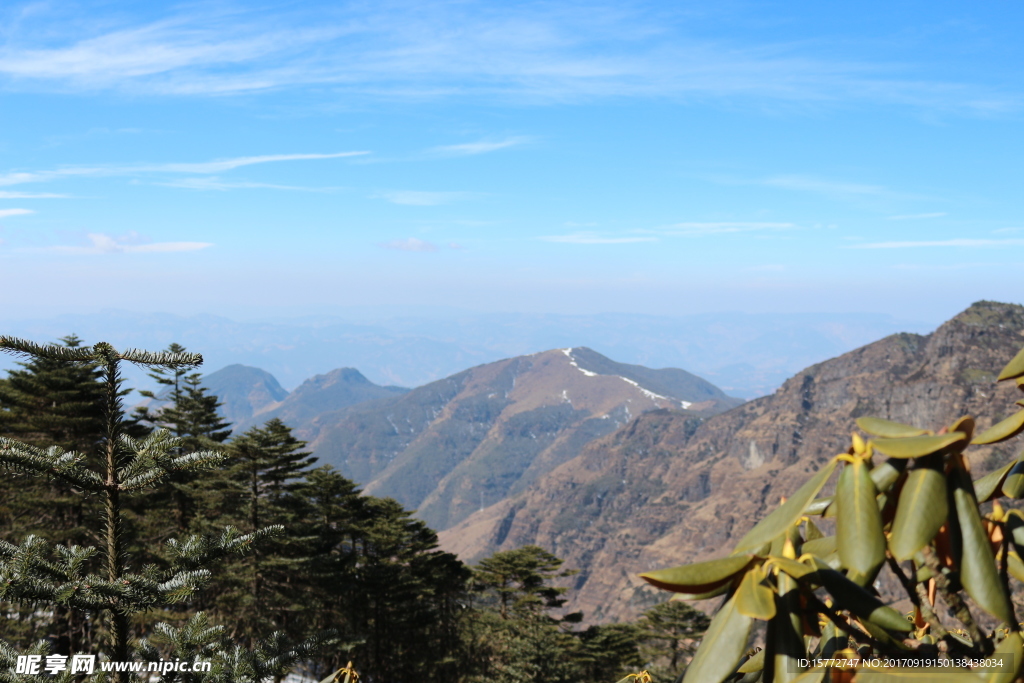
x=832 y=188
x=222 y=165
x=198 y=168
x=420 y=198
x=806 y=183
x=917 y=216
x=723 y=227
x=409 y=244
x=31 y=195
x=965 y=242
x=479 y=147
x=215 y=184
x=1007 y=231
x=555 y=53
x=7 y=213
x=590 y=238
x=100 y=243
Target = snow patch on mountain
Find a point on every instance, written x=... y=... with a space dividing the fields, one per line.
x=572 y=362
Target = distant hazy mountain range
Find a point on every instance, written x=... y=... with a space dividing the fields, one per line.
x=453 y=446
x=747 y=355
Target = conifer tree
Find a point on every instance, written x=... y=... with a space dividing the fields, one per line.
x=511 y=637
x=190 y=413
x=49 y=402
x=669 y=633
x=267 y=467
x=102 y=580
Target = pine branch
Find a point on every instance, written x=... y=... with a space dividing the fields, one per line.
x=165 y=360
x=51 y=462
x=196 y=551
x=28 y=349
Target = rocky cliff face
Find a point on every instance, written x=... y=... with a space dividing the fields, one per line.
x=664 y=490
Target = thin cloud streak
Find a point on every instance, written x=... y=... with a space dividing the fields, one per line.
x=7 y=213
x=410 y=244
x=200 y=168
x=557 y=54
x=215 y=184
x=238 y=162
x=917 y=216
x=420 y=198
x=940 y=243
x=831 y=187
x=481 y=147
x=32 y=195
x=587 y=238
x=101 y=243
x=722 y=228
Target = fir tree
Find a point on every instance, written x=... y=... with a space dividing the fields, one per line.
x=49 y=402
x=267 y=467
x=190 y=413
x=99 y=580
x=669 y=633
x=510 y=636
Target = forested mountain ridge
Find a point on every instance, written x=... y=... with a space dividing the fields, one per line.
x=455 y=445
x=663 y=491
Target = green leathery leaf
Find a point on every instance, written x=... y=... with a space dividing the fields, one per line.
x=700 y=577
x=1013 y=484
x=886 y=474
x=812 y=531
x=1015 y=527
x=920 y=513
x=1015 y=566
x=1001 y=431
x=978 y=572
x=787 y=514
x=713 y=593
x=722 y=646
x=797 y=570
x=1012 y=649
x=818 y=506
x=887 y=428
x=916 y=446
x=859 y=535
x=964 y=425
x=822 y=547
x=1013 y=369
x=755 y=663
x=784 y=640
x=753 y=598
x=986 y=487
x=849 y=596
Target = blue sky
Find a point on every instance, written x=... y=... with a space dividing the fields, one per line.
x=289 y=158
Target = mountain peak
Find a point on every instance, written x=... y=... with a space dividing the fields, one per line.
x=455 y=445
x=988 y=313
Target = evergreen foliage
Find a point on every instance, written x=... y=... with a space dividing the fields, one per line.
x=668 y=634
x=101 y=581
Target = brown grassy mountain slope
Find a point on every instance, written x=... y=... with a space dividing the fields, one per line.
x=658 y=493
x=452 y=446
